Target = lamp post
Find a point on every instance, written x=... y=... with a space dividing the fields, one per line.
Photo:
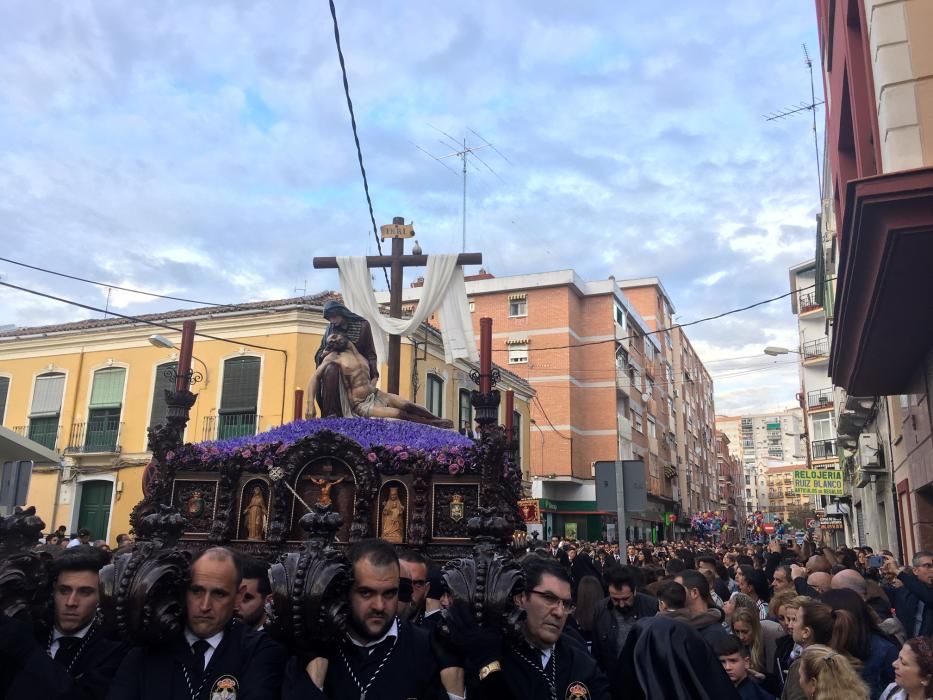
x=775 y=350
x=160 y=341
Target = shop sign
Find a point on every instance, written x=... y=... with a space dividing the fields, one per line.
x=818 y=482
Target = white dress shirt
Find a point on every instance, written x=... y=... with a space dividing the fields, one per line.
x=214 y=642
x=56 y=635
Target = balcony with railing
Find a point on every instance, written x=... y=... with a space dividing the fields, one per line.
x=807 y=303
x=823 y=449
x=230 y=425
x=815 y=349
x=95 y=437
x=45 y=433
x=820 y=399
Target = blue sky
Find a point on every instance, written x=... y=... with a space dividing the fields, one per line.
x=203 y=149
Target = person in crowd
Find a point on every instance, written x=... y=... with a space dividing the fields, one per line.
x=699 y=612
x=671 y=596
x=414 y=566
x=672 y=567
x=876 y=599
x=752 y=582
x=736 y=662
x=580 y=567
x=826 y=674
x=614 y=552
x=913 y=671
x=720 y=585
x=546 y=663
x=381 y=653
x=74 y=659
x=736 y=601
x=761 y=638
x=782 y=580
x=913 y=598
x=811 y=623
x=257 y=592
x=618 y=613
x=83 y=537
x=589 y=596
x=664 y=658
x=557 y=552
x=436 y=600
x=215 y=646
x=856 y=633
x=820 y=581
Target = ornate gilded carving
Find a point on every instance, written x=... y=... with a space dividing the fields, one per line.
x=330 y=482
x=196 y=500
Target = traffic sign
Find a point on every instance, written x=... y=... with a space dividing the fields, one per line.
x=768 y=528
x=811 y=523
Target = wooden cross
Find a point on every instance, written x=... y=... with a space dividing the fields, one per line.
x=398 y=231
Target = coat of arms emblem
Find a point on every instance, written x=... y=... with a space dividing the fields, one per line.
x=194 y=506
x=456 y=507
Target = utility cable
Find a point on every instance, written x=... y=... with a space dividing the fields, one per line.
x=110 y=286
x=356 y=137
x=135 y=319
x=676 y=325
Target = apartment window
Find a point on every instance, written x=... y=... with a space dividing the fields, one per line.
x=518 y=353
x=46 y=408
x=670 y=406
x=748 y=480
x=620 y=318
x=239 y=398
x=824 y=429
x=164 y=381
x=104 y=409
x=465 y=419
x=472 y=306
x=637 y=422
x=652 y=427
x=4 y=391
x=518 y=305
x=434 y=395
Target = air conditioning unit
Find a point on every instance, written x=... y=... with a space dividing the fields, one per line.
x=869 y=456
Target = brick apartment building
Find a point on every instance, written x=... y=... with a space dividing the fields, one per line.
x=607 y=388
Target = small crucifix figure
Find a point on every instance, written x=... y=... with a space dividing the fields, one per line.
x=398 y=231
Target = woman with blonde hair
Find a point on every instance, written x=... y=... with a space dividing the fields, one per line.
x=826 y=674
x=760 y=638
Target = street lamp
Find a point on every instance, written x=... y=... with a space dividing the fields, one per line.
x=160 y=341
x=775 y=350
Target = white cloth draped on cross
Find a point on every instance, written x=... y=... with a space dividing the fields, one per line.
x=444 y=290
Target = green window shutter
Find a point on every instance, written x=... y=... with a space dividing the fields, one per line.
x=4 y=391
x=435 y=389
x=240 y=393
x=47 y=395
x=159 y=407
x=107 y=391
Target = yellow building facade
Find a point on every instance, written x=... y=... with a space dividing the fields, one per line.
x=89 y=390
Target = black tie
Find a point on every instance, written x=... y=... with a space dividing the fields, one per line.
x=67 y=648
x=199 y=649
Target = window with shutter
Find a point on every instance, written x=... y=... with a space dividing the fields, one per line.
x=104 y=410
x=45 y=409
x=4 y=391
x=517 y=436
x=239 y=398
x=435 y=393
x=164 y=381
x=466 y=412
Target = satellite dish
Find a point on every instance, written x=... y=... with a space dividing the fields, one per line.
x=645 y=397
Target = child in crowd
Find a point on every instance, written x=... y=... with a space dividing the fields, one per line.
x=737 y=663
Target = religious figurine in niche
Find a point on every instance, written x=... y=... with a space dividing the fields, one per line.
x=393 y=512
x=325 y=485
x=359 y=333
x=256 y=513
x=194 y=505
x=360 y=395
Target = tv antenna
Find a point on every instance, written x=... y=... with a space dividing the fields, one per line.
x=802 y=107
x=464 y=152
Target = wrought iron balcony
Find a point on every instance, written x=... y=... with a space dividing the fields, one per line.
x=815 y=348
x=807 y=302
x=100 y=436
x=821 y=398
x=230 y=425
x=823 y=449
x=45 y=433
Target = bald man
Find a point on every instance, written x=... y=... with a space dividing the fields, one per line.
x=818 y=563
x=854 y=581
x=820 y=582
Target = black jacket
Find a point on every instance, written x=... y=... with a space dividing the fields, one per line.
x=410 y=671
x=664 y=659
x=605 y=650
x=575 y=672
x=249 y=660
x=905 y=600
x=92 y=667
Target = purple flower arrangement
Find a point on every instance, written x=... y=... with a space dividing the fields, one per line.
x=391 y=446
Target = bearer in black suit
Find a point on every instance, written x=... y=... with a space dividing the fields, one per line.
x=72 y=660
x=218 y=656
x=382 y=656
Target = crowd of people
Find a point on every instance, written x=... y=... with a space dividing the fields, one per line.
x=669 y=620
